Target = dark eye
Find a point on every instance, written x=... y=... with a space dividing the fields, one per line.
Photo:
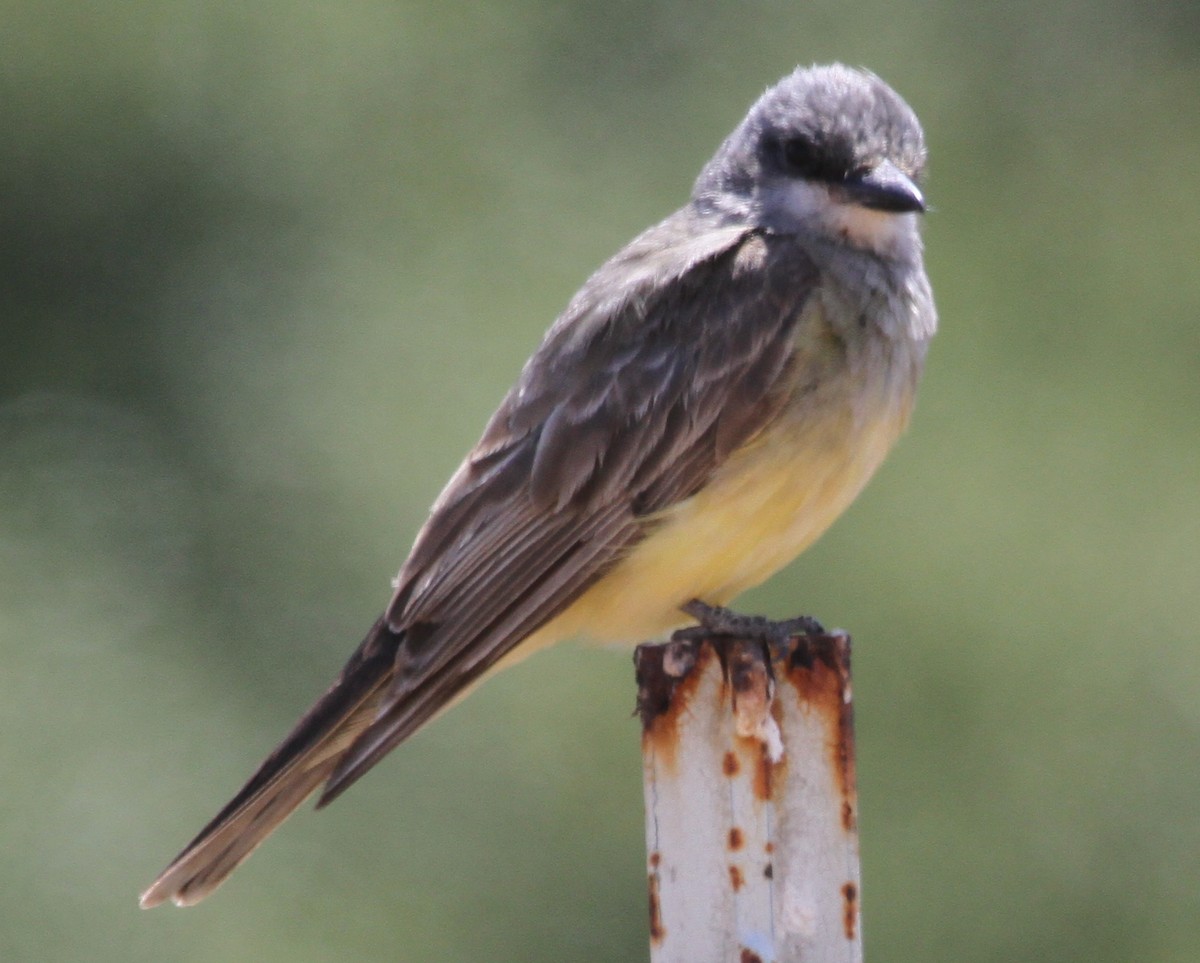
x=802 y=157
x=799 y=156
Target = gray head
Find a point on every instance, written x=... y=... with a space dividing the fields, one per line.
x=829 y=151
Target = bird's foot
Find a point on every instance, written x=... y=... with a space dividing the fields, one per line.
x=715 y=621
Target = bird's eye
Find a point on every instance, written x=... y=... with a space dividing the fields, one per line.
x=803 y=157
x=799 y=156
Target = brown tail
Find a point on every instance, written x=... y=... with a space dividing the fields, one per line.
x=301 y=763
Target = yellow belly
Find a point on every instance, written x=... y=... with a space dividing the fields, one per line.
x=767 y=504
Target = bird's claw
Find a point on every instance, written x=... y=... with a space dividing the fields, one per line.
x=715 y=621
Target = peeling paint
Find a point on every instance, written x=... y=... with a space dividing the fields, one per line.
x=751 y=801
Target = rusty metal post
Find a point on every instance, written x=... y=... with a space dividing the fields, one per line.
x=751 y=809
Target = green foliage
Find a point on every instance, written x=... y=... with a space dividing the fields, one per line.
x=269 y=267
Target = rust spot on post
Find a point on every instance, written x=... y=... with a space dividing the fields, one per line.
x=819 y=668
x=748 y=675
x=657 y=931
x=667 y=678
x=850 y=909
x=752 y=682
x=848 y=782
x=764 y=774
x=670 y=678
x=729 y=765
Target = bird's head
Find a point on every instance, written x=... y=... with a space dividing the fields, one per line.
x=829 y=151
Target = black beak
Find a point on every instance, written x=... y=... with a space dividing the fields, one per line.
x=885 y=188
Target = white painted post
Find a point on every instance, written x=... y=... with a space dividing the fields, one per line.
x=751 y=808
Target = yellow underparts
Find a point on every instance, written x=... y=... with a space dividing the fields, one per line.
x=764 y=506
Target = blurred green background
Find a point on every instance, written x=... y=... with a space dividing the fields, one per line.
x=267 y=269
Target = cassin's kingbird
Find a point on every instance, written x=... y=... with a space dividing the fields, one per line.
x=711 y=399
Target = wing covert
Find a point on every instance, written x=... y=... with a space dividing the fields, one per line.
x=627 y=407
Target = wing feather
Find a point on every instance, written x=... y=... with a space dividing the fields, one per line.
x=649 y=399
x=672 y=356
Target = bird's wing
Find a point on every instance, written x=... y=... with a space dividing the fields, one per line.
x=296 y=767
x=627 y=408
x=669 y=358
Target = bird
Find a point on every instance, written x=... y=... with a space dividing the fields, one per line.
x=707 y=404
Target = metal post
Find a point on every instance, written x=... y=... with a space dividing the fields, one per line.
x=751 y=809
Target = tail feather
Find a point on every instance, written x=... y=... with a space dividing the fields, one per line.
x=301 y=763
